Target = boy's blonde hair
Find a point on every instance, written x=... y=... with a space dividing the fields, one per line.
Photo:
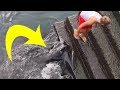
x=105 y=20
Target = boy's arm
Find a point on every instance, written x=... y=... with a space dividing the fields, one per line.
x=91 y=21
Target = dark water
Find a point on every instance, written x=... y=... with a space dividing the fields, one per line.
x=44 y=18
x=31 y=19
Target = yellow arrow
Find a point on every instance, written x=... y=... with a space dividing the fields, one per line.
x=21 y=30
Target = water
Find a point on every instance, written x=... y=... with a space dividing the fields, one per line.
x=44 y=18
x=31 y=19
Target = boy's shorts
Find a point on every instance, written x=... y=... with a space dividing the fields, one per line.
x=80 y=21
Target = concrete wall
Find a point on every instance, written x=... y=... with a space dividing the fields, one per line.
x=99 y=58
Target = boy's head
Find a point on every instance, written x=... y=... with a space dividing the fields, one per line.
x=105 y=20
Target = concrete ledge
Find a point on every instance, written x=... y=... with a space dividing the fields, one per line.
x=63 y=33
x=92 y=60
x=100 y=57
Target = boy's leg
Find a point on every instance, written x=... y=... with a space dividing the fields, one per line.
x=83 y=35
x=76 y=34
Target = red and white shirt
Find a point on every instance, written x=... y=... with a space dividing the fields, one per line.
x=86 y=15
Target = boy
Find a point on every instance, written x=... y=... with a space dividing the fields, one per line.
x=88 y=19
